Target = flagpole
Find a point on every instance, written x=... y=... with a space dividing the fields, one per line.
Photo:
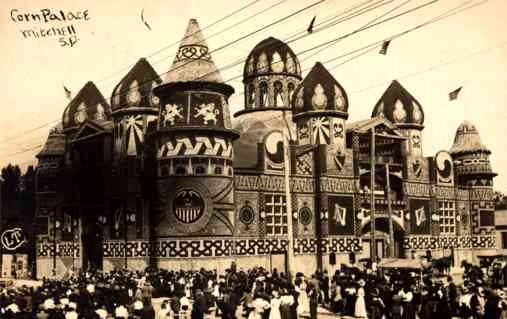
x=373 y=252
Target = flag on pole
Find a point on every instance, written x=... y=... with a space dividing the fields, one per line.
x=454 y=94
x=68 y=94
x=310 y=27
x=385 y=45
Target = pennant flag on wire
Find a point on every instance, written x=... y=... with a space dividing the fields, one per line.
x=454 y=94
x=68 y=94
x=310 y=27
x=385 y=45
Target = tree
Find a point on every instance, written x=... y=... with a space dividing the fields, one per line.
x=11 y=186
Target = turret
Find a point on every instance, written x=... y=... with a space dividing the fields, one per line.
x=471 y=157
x=194 y=144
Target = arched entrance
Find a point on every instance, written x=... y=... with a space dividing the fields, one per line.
x=91 y=240
x=382 y=238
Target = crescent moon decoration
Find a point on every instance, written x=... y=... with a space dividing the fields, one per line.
x=274 y=149
x=444 y=167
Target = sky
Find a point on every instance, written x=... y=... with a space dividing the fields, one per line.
x=468 y=49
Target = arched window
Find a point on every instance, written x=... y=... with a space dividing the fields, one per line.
x=230 y=171
x=250 y=96
x=263 y=95
x=278 y=90
x=218 y=170
x=290 y=89
x=181 y=170
x=200 y=170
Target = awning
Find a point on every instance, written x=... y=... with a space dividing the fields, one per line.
x=400 y=263
x=488 y=253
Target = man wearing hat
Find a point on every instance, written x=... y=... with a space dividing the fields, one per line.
x=377 y=305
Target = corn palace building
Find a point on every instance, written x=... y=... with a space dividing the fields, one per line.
x=162 y=174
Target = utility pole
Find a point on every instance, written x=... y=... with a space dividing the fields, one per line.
x=54 y=240
x=389 y=212
x=1 y=228
x=288 y=199
x=373 y=252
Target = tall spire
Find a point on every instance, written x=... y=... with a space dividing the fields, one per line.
x=193 y=61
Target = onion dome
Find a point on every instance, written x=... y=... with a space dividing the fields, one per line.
x=270 y=75
x=134 y=91
x=193 y=95
x=271 y=56
x=90 y=104
x=399 y=107
x=193 y=61
x=319 y=94
x=55 y=144
x=467 y=140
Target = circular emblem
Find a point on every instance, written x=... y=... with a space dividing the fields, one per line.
x=13 y=238
x=246 y=214
x=274 y=149
x=188 y=206
x=444 y=166
x=305 y=216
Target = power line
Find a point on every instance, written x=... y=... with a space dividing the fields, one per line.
x=287 y=41
x=361 y=29
x=151 y=80
x=433 y=20
x=367 y=24
x=451 y=12
x=176 y=42
x=238 y=23
x=433 y=67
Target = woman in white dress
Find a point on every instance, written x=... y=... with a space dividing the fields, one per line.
x=274 y=313
x=360 y=308
x=303 y=301
x=259 y=306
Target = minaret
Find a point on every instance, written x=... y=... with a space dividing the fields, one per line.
x=320 y=107
x=473 y=172
x=194 y=144
x=133 y=106
x=471 y=157
x=404 y=111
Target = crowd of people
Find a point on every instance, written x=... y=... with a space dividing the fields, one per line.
x=255 y=294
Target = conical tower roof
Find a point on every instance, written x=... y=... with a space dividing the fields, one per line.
x=55 y=144
x=89 y=103
x=399 y=106
x=467 y=140
x=193 y=61
x=134 y=89
x=319 y=93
